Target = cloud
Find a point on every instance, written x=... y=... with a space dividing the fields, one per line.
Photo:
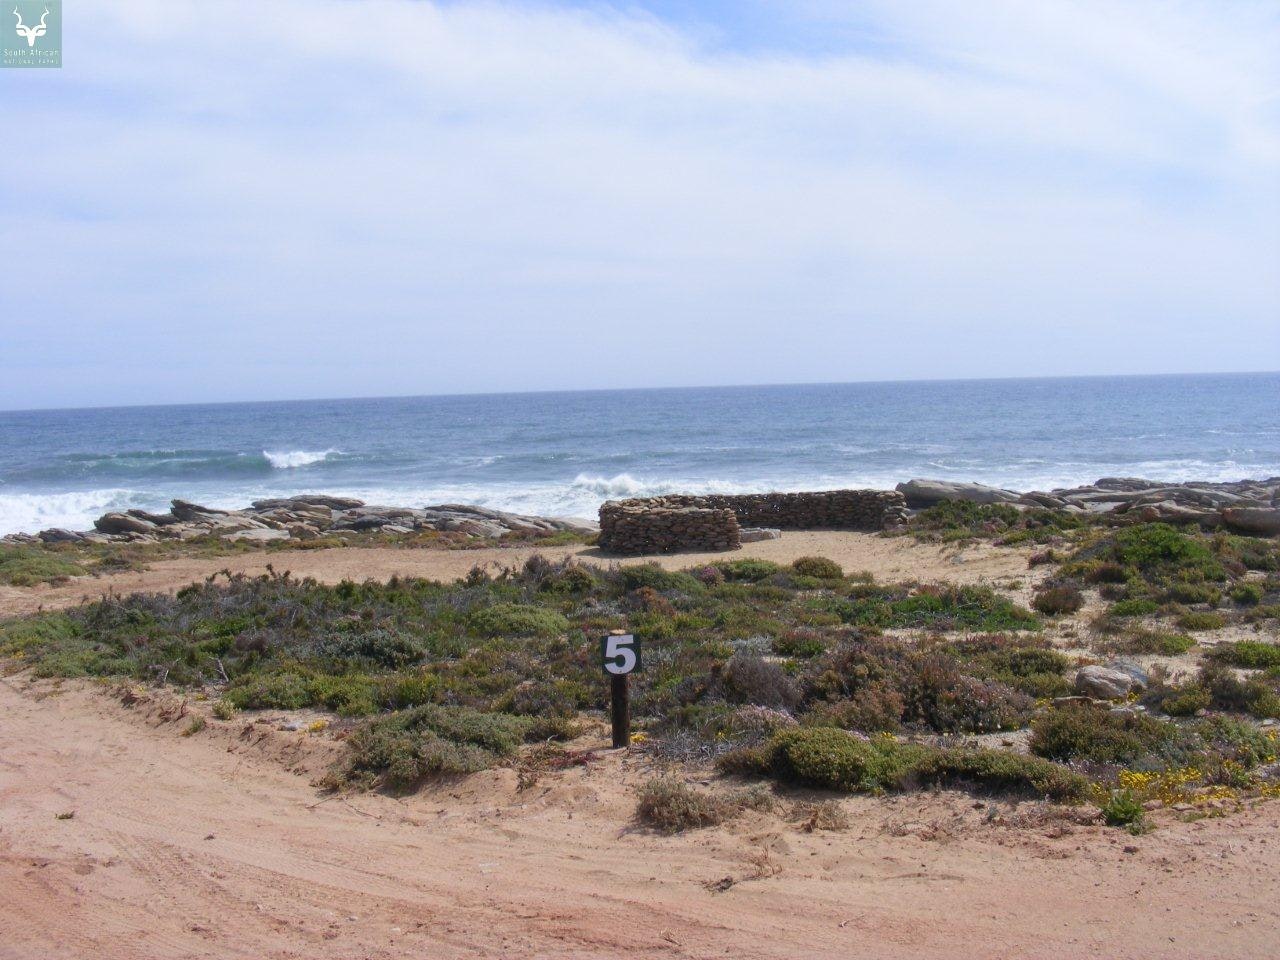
x=394 y=196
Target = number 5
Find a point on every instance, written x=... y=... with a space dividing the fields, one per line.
x=619 y=655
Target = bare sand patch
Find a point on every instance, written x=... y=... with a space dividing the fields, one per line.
x=208 y=846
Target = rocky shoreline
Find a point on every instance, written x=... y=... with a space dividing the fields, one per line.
x=1245 y=506
x=304 y=517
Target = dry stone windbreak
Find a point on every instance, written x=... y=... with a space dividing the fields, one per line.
x=714 y=522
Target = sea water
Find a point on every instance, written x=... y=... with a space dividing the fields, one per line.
x=562 y=454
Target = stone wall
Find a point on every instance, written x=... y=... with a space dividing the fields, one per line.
x=650 y=526
x=665 y=524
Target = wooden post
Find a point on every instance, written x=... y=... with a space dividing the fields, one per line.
x=620 y=702
x=619 y=655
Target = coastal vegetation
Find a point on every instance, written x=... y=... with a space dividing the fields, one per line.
x=800 y=674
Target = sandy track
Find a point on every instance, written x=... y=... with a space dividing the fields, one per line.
x=206 y=846
x=889 y=558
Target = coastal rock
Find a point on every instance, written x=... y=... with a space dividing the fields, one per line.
x=122 y=523
x=1112 y=682
x=1167 y=511
x=309 y=500
x=188 y=511
x=258 y=535
x=159 y=519
x=1264 y=520
x=926 y=493
x=58 y=535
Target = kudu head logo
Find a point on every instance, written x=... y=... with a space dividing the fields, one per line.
x=31 y=32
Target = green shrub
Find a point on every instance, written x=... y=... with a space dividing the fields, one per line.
x=1058 y=600
x=818 y=567
x=273 y=691
x=1182 y=592
x=749 y=570
x=1251 y=654
x=835 y=760
x=1141 y=641
x=1254 y=695
x=1101 y=736
x=1004 y=772
x=1247 y=594
x=1201 y=620
x=400 y=750
x=635 y=576
x=1158 y=548
x=1107 y=571
x=801 y=643
x=1137 y=607
x=23 y=566
x=1237 y=740
x=1183 y=701
x=1123 y=809
x=516 y=620
x=939 y=608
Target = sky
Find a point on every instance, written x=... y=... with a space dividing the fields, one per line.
x=309 y=198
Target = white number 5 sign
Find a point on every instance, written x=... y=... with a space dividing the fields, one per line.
x=620 y=654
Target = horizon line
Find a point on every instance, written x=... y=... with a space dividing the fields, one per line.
x=632 y=389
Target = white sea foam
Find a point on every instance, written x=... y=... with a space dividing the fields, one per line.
x=31 y=512
x=292 y=459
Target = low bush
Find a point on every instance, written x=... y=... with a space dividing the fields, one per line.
x=1137 y=607
x=400 y=750
x=748 y=679
x=1201 y=620
x=836 y=760
x=22 y=566
x=1251 y=654
x=937 y=608
x=864 y=680
x=635 y=576
x=1107 y=571
x=1054 y=601
x=1247 y=594
x=748 y=570
x=1101 y=736
x=1182 y=592
x=1160 y=549
x=1140 y=641
x=516 y=620
x=670 y=805
x=1123 y=809
x=818 y=567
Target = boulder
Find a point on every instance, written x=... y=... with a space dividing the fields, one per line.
x=925 y=493
x=122 y=523
x=257 y=535
x=309 y=500
x=1167 y=511
x=186 y=510
x=159 y=519
x=58 y=535
x=1263 y=520
x=754 y=534
x=1113 y=682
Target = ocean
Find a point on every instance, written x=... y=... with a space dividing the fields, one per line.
x=562 y=454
